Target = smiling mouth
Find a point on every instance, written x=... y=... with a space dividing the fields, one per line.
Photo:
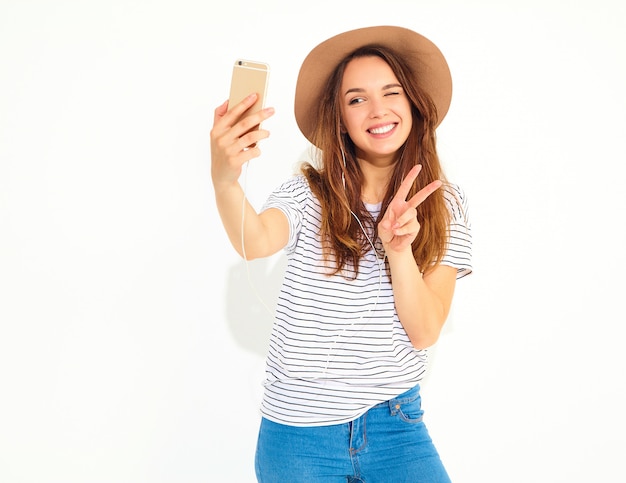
x=381 y=129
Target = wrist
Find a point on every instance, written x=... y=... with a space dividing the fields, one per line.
x=400 y=257
x=224 y=187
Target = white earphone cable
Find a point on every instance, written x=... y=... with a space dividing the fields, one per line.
x=380 y=262
x=243 y=245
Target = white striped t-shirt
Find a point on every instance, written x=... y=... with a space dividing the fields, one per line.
x=337 y=347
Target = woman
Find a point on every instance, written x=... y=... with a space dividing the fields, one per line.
x=375 y=239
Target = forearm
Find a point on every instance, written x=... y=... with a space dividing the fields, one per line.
x=420 y=309
x=230 y=134
x=232 y=206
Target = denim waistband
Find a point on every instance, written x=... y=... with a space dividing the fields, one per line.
x=404 y=398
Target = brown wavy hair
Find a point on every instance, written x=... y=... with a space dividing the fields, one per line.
x=341 y=234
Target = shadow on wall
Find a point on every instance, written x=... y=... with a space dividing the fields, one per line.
x=251 y=297
x=253 y=290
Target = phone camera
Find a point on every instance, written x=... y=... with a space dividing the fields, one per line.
x=240 y=63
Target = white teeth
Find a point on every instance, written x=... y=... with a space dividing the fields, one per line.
x=382 y=130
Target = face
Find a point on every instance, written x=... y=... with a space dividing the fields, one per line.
x=375 y=110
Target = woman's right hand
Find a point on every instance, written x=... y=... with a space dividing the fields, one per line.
x=233 y=141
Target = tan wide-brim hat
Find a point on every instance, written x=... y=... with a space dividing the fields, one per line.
x=424 y=57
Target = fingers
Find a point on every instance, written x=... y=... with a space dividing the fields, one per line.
x=230 y=116
x=403 y=217
x=410 y=212
x=250 y=140
x=235 y=116
x=234 y=140
x=400 y=226
x=233 y=133
x=233 y=120
x=404 y=224
x=407 y=182
x=220 y=111
x=419 y=197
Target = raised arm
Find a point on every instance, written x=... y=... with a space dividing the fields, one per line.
x=422 y=302
x=233 y=144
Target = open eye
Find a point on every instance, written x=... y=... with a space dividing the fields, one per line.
x=355 y=100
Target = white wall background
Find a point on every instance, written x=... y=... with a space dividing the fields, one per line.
x=131 y=342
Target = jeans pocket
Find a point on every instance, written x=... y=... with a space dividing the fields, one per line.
x=410 y=411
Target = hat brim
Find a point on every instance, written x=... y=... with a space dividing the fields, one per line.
x=426 y=60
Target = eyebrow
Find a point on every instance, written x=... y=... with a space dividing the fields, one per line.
x=384 y=88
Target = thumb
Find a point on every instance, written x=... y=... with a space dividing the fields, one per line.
x=220 y=110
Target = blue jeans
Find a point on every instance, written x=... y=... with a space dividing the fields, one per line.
x=388 y=444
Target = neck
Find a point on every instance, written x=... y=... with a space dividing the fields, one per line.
x=375 y=181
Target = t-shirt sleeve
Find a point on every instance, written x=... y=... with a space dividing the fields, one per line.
x=290 y=198
x=459 y=250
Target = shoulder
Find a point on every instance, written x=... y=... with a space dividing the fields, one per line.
x=459 y=250
x=292 y=194
x=457 y=202
x=454 y=193
x=297 y=185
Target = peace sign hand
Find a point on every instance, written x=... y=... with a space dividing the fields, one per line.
x=399 y=227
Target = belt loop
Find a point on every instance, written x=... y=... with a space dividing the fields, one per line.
x=394 y=406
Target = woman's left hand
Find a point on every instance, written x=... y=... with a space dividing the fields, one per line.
x=399 y=227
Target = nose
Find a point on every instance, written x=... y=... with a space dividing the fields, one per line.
x=377 y=108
